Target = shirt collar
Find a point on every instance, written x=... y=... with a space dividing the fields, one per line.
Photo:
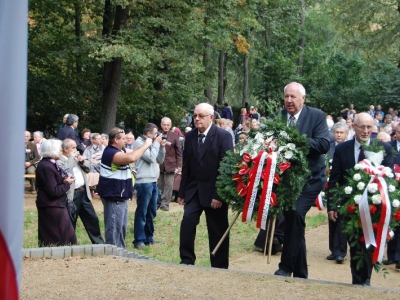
x=207 y=130
x=296 y=116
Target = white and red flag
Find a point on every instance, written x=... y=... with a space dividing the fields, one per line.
x=13 y=85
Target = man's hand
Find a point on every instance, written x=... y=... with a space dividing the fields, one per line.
x=148 y=142
x=215 y=203
x=181 y=201
x=163 y=142
x=80 y=158
x=27 y=164
x=332 y=215
x=158 y=139
x=69 y=179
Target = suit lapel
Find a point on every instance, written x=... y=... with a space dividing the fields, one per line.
x=301 y=121
x=350 y=150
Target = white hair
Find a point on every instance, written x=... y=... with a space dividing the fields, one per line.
x=208 y=107
x=51 y=148
x=301 y=88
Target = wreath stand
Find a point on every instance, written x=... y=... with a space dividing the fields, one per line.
x=270 y=225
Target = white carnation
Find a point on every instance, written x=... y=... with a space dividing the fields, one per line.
x=291 y=146
x=322 y=194
x=361 y=186
x=269 y=133
x=358 y=167
x=284 y=134
x=391 y=188
x=288 y=154
x=390 y=175
x=372 y=188
x=396 y=203
x=376 y=199
x=357 y=199
x=348 y=190
x=357 y=177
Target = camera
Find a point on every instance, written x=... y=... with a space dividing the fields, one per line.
x=164 y=136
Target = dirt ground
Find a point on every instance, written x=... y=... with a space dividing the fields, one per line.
x=249 y=276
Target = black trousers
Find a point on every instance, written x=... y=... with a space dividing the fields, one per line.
x=217 y=223
x=86 y=212
x=363 y=274
x=337 y=238
x=393 y=247
x=294 y=253
x=279 y=233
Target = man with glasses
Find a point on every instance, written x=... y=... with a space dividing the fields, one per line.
x=115 y=185
x=146 y=185
x=347 y=154
x=205 y=147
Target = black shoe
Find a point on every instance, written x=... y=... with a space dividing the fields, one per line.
x=339 y=259
x=276 y=246
x=397 y=267
x=367 y=283
x=388 y=262
x=152 y=242
x=140 y=246
x=280 y=272
x=331 y=257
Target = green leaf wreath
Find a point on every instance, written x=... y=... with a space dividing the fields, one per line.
x=290 y=173
x=348 y=197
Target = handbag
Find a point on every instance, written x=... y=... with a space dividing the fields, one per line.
x=71 y=209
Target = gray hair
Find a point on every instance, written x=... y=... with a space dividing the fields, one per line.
x=94 y=135
x=208 y=107
x=166 y=119
x=66 y=143
x=51 y=148
x=71 y=119
x=340 y=124
x=39 y=133
x=383 y=136
x=302 y=90
x=105 y=135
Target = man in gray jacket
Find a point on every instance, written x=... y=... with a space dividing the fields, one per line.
x=73 y=163
x=146 y=185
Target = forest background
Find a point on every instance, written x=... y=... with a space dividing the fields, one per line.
x=135 y=61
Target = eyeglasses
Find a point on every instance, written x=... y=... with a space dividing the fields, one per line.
x=201 y=116
x=364 y=127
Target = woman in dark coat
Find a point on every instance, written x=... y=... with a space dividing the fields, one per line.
x=54 y=224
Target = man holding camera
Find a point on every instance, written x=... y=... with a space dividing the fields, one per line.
x=73 y=163
x=146 y=185
x=171 y=164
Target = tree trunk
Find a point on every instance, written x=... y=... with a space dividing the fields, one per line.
x=78 y=16
x=302 y=38
x=111 y=69
x=221 y=75
x=245 y=78
x=207 y=71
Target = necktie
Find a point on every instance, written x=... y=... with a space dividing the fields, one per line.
x=292 y=120
x=361 y=155
x=200 y=141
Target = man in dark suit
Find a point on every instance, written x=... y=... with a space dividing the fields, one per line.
x=205 y=147
x=311 y=122
x=337 y=239
x=393 y=246
x=69 y=132
x=345 y=157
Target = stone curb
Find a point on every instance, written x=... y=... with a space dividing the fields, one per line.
x=81 y=250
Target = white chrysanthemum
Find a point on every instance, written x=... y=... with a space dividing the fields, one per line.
x=357 y=199
x=283 y=134
x=288 y=154
x=358 y=166
x=396 y=203
x=357 y=177
x=281 y=148
x=348 y=190
x=390 y=175
x=392 y=188
x=361 y=186
x=372 y=188
x=376 y=199
x=291 y=146
x=269 y=133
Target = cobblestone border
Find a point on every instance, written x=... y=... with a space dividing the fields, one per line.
x=80 y=250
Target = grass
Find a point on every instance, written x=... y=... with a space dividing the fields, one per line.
x=167 y=225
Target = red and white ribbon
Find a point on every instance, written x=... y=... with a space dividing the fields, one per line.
x=365 y=217
x=267 y=191
x=396 y=168
x=254 y=180
x=319 y=202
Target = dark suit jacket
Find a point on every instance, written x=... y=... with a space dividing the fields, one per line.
x=344 y=160
x=67 y=132
x=397 y=157
x=312 y=123
x=52 y=189
x=332 y=146
x=200 y=169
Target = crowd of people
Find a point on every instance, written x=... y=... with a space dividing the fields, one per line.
x=181 y=164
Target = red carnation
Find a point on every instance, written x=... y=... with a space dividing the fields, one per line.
x=241 y=189
x=351 y=208
x=326 y=184
x=277 y=179
x=284 y=166
x=273 y=200
x=396 y=216
x=375 y=227
x=372 y=209
x=247 y=157
x=243 y=170
x=327 y=171
x=362 y=239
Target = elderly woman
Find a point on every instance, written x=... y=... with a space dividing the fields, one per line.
x=54 y=224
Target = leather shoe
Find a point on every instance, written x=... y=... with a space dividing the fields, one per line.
x=331 y=257
x=276 y=246
x=339 y=259
x=280 y=272
x=388 y=262
x=397 y=267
